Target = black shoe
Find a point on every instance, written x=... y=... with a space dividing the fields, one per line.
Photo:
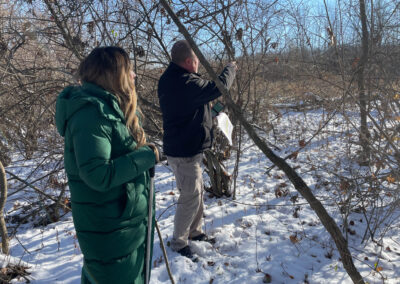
x=187 y=252
x=204 y=238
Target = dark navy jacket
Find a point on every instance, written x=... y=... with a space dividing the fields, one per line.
x=184 y=101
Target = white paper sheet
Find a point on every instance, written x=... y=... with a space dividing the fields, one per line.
x=225 y=125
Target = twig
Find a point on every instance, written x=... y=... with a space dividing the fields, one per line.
x=306 y=143
x=37 y=189
x=25 y=249
x=164 y=253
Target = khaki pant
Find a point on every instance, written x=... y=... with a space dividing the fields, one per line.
x=189 y=212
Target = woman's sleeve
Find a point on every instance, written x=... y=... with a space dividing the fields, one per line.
x=91 y=136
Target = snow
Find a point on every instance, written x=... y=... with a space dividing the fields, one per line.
x=258 y=234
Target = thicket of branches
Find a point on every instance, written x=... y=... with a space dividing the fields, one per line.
x=340 y=56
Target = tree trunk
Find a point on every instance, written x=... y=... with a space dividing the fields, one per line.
x=329 y=224
x=219 y=177
x=364 y=133
x=3 y=198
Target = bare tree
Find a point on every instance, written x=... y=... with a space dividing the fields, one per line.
x=362 y=64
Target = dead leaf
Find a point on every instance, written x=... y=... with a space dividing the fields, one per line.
x=267 y=278
x=239 y=34
x=351 y=232
x=294 y=239
x=294 y=155
x=344 y=185
x=281 y=192
x=390 y=179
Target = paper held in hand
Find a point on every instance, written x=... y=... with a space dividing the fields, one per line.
x=225 y=125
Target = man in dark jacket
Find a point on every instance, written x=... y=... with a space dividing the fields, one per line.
x=184 y=99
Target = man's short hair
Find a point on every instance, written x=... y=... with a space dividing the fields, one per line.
x=180 y=51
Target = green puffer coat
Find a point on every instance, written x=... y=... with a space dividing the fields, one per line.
x=108 y=180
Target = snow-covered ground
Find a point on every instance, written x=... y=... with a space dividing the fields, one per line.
x=266 y=235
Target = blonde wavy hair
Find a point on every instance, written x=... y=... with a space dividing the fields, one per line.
x=110 y=68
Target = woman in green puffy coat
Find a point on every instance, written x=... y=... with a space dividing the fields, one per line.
x=107 y=160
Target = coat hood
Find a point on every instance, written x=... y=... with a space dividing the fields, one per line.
x=74 y=98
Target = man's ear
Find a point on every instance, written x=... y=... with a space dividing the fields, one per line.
x=186 y=64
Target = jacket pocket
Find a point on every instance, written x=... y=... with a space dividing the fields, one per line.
x=130 y=200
